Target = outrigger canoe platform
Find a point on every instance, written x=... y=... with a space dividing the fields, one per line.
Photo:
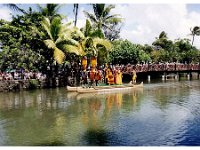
x=104 y=89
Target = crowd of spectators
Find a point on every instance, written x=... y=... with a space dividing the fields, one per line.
x=15 y=75
x=145 y=67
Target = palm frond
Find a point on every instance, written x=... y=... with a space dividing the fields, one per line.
x=73 y=42
x=47 y=26
x=50 y=44
x=77 y=33
x=58 y=55
x=57 y=7
x=107 y=10
x=62 y=41
x=59 y=40
x=55 y=27
x=74 y=49
x=113 y=18
x=102 y=42
x=88 y=28
x=90 y=16
x=98 y=33
x=98 y=10
x=15 y=8
x=66 y=27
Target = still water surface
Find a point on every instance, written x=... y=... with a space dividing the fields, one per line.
x=160 y=114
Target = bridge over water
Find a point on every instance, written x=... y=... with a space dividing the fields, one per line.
x=163 y=69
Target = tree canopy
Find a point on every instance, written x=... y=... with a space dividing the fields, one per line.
x=37 y=39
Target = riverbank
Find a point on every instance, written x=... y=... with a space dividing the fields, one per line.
x=16 y=85
x=13 y=85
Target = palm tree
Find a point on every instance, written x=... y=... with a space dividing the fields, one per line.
x=59 y=38
x=194 y=32
x=162 y=35
x=89 y=41
x=59 y=43
x=50 y=11
x=102 y=19
x=162 y=41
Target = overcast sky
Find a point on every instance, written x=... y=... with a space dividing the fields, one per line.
x=142 y=22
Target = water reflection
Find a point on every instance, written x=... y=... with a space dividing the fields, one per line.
x=43 y=116
x=159 y=114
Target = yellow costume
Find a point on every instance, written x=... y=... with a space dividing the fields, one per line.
x=134 y=77
x=110 y=77
x=119 y=77
x=106 y=75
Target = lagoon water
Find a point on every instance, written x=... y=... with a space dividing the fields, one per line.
x=160 y=114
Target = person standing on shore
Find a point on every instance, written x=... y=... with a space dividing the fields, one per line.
x=134 y=75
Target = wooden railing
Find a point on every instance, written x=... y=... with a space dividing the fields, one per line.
x=161 y=67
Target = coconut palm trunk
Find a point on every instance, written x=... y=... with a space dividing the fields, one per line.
x=76 y=6
x=193 y=39
x=195 y=32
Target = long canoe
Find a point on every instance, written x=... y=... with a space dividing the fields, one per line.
x=73 y=88
x=109 y=88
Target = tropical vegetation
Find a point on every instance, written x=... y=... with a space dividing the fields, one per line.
x=39 y=41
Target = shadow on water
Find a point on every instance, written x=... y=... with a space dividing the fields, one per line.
x=98 y=137
x=53 y=143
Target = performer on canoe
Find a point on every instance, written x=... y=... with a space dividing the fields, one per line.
x=92 y=76
x=110 y=76
x=97 y=76
x=118 y=76
x=93 y=63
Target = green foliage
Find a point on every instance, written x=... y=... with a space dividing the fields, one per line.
x=54 y=30
x=163 y=42
x=34 y=40
x=124 y=52
x=180 y=50
x=91 y=41
x=50 y=10
x=103 y=20
x=18 y=42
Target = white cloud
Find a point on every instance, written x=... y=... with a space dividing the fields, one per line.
x=5 y=13
x=144 y=22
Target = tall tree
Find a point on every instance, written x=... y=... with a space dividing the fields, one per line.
x=90 y=41
x=59 y=38
x=18 y=43
x=195 y=32
x=50 y=10
x=162 y=41
x=75 y=10
x=102 y=18
x=124 y=52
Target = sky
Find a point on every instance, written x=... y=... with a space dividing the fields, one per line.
x=142 y=22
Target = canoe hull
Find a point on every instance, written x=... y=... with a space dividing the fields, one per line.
x=72 y=89
x=109 y=89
